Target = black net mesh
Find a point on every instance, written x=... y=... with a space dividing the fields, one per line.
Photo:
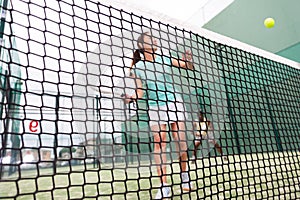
x=69 y=130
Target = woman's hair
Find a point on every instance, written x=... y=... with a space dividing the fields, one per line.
x=137 y=53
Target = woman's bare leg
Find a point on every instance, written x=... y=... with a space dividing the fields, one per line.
x=160 y=157
x=179 y=136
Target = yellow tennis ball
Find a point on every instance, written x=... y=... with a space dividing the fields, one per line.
x=269 y=22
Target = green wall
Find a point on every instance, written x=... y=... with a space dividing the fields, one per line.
x=264 y=104
x=292 y=52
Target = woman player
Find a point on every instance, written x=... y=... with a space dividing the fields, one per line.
x=153 y=73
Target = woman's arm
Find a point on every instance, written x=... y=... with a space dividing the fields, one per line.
x=185 y=62
x=139 y=92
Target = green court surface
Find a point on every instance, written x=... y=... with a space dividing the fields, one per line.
x=248 y=176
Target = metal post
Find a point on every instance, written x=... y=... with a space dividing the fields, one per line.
x=230 y=110
x=97 y=131
x=15 y=138
x=55 y=141
x=6 y=122
x=94 y=162
x=2 y=25
x=276 y=132
x=130 y=139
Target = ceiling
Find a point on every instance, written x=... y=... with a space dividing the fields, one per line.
x=241 y=20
